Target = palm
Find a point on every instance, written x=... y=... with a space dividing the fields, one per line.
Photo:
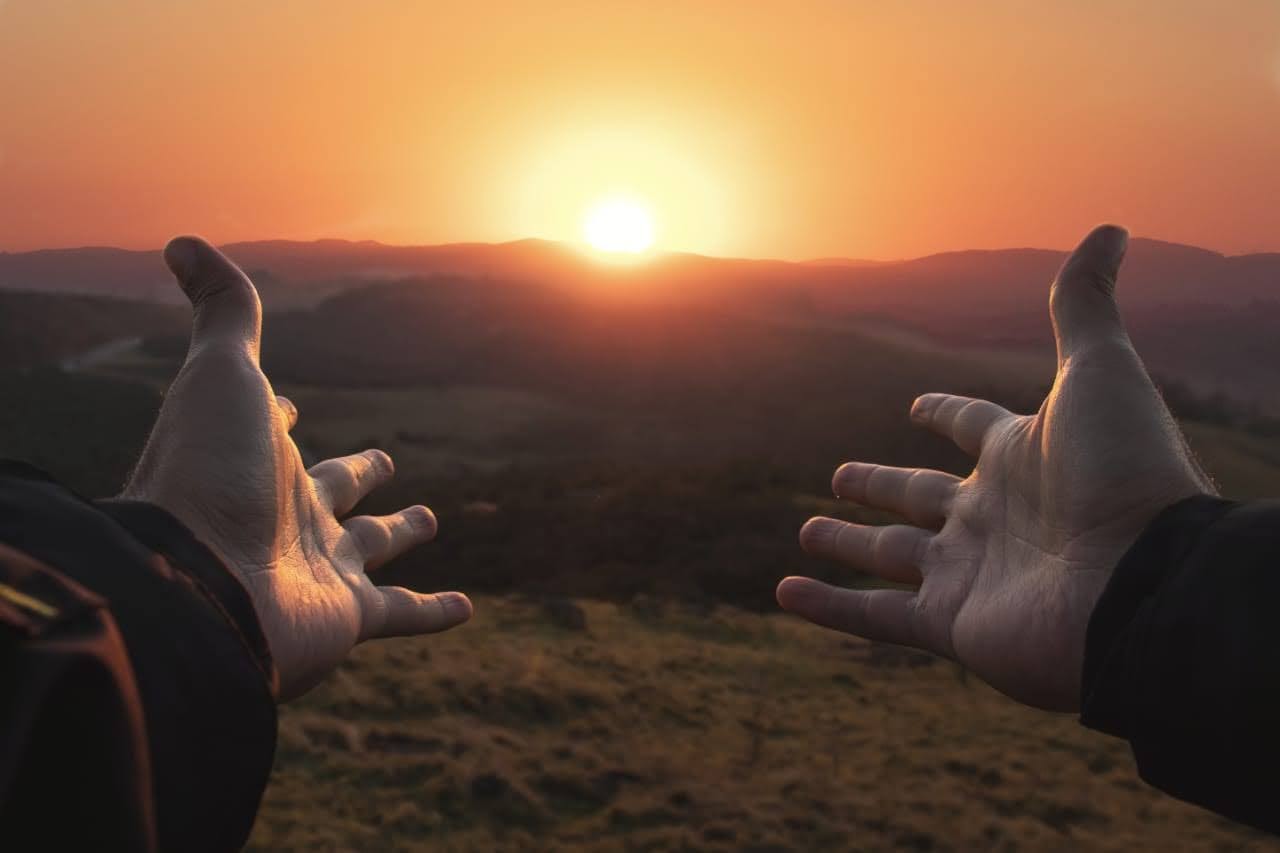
x=1025 y=545
x=221 y=459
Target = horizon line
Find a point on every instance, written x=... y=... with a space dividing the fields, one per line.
x=825 y=260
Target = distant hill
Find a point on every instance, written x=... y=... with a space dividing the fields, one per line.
x=986 y=282
x=587 y=437
x=1205 y=318
x=39 y=328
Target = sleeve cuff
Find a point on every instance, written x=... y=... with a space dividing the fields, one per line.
x=195 y=649
x=164 y=534
x=1112 y=679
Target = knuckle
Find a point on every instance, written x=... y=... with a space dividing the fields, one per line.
x=947 y=410
x=919 y=548
x=878 y=541
x=1100 y=354
x=897 y=486
x=830 y=536
x=227 y=284
x=922 y=494
x=880 y=551
x=351 y=469
x=877 y=481
x=931 y=550
x=221 y=354
x=371 y=535
x=970 y=414
x=379 y=462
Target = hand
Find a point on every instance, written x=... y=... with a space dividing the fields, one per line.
x=220 y=459
x=1009 y=562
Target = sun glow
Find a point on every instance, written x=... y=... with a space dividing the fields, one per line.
x=618 y=225
x=603 y=180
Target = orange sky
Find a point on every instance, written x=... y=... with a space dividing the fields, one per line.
x=790 y=129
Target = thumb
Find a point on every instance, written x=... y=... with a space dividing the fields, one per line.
x=226 y=308
x=1082 y=299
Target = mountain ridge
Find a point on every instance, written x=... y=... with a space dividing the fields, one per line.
x=831 y=260
x=966 y=283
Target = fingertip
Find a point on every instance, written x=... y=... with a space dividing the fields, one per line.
x=797 y=594
x=424 y=522
x=180 y=254
x=922 y=406
x=1106 y=245
x=780 y=592
x=806 y=533
x=457 y=607
x=816 y=534
x=1108 y=234
x=840 y=479
x=1097 y=258
x=786 y=583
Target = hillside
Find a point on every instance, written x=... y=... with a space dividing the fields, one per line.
x=620 y=483
x=582 y=447
x=661 y=726
x=39 y=328
x=992 y=281
x=1197 y=316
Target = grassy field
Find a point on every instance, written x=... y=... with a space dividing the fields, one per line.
x=607 y=696
x=554 y=725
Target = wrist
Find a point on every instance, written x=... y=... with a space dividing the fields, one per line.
x=168 y=534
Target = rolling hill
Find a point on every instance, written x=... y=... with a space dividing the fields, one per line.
x=979 y=282
x=1198 y=316
x=620 y=458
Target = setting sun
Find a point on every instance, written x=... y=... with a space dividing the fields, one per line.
x=618 y=225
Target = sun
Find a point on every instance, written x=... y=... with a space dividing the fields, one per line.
x=618 y=225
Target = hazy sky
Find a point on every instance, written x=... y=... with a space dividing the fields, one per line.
x=792 y=129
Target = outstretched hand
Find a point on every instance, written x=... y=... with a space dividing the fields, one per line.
x=1006 y=565
x=220 y=459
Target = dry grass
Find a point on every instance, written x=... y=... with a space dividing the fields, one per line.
x=659 y=727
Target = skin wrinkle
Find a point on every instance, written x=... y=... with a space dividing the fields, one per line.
x=965 y=430
x=922 y=496
x=373 y=617
x=920 y=550
x=877 y=544
x=836 y=534
x=919 y=505
x=370 y=536
x=940 y=507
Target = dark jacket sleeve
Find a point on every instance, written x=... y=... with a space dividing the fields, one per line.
x=137 y=709
x=1182 y=657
